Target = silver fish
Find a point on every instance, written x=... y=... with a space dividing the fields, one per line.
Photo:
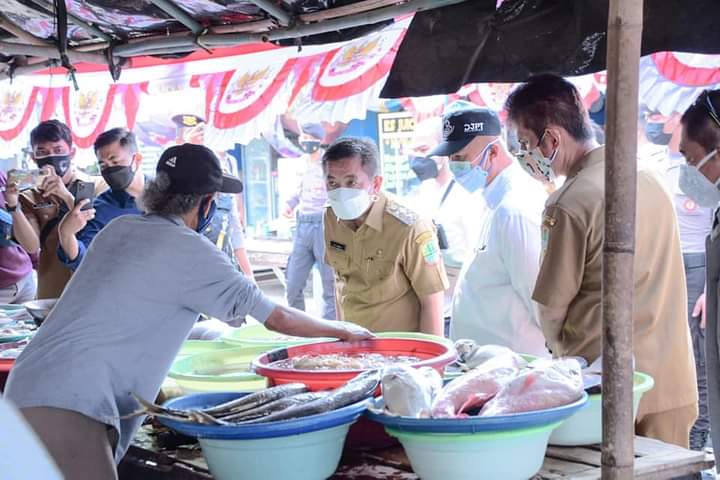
x=257 y=399
x=272 y=407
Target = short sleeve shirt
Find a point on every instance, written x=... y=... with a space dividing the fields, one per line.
x=384 y=267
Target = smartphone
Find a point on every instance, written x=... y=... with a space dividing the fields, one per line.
x=27 y=179
x=85 y=191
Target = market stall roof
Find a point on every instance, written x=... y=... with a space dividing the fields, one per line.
x=443 y=51
x=35 y=34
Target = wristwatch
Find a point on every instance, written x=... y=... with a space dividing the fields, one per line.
x=10 y=209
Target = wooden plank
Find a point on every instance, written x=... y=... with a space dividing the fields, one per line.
x=581 y=455
x=554 y=469
x=649 y=446
x=666 y=464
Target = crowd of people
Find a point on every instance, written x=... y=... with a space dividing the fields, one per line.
x=501 y=244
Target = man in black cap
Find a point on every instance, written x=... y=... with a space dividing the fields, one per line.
x=121 y=321
x=492 y=301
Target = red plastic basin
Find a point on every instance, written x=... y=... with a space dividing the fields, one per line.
x=432 y=354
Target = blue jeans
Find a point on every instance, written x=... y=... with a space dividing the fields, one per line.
x=309 y=250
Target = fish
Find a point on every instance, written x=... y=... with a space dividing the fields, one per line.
x=258 y=398
x=409 y=392
x=271 y=407
x=359 y=388
x=472 y=355
x=474 y=388
x=190 y=416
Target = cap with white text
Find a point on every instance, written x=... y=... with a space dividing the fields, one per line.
x=460 y=127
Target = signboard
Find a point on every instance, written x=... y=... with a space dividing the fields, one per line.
x=395 y=137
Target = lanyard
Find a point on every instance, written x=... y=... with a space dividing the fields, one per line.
x=447 y=192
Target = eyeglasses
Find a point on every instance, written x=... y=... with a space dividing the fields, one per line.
x=711 y=109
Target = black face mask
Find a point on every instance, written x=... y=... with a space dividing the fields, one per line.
x=425 y=168
x=310 y=146
x=61 y=163
x=118 y=178
x=654 y=133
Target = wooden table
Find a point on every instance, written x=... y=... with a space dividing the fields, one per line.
x=653 y=460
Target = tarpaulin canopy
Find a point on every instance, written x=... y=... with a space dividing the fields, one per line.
x=449 y=47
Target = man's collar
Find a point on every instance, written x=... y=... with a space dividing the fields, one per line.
x=592 y=157
x=375 y=217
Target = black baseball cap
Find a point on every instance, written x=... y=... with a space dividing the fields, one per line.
x=461 y=126
x=196 y=169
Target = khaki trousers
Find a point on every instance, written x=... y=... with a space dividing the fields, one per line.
x=80 y=446
x=671 y=426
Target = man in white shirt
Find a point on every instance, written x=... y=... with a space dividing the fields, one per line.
x=455 y=211
x=493 y=297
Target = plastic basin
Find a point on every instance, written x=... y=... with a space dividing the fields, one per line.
x=259 y=336
x=194 y=347
x=307 y=448
x=585 y=427
x=504 y=447
x=223 y=370
x=432 y=354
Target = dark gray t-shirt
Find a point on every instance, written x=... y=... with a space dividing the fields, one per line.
x=123 y=317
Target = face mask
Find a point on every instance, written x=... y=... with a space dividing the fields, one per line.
x=204 y=221
x=696 y=185
x=537 y=165
x=654 y=133
x=61 y=163
x=425 y=168
x=349 y=203
x=310 y=146
x=474 y=178
x=118 y=178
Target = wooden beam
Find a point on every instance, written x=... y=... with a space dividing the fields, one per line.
x=623 y=73
x=28 y=69
x=179 y=14
x=255 y=27
x=353 y=8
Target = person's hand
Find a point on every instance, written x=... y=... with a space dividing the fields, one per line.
x=699 y=310
x=350 y=332
x=54 y=185
x=288 y=212
x=76 y=219
x=12 y=195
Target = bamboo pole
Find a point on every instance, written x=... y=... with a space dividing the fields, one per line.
x=22 y=35
x=88 y=27
x=49 y=52
x=179 y=14
x=275 y=11
x=623 y=65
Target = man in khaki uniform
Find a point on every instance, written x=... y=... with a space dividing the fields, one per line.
x=556 y=139
x=44 y=207
x=389 y=273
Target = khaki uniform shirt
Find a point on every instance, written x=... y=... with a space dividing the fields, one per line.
x=43 y=213
x=383 y=268
x=571 y=271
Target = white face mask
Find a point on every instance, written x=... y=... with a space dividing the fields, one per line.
x=538 y=165
x=696 y=185
x=349 y=203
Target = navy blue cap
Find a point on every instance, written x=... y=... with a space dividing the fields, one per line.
x=461 y=126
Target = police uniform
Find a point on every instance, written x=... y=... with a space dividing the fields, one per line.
x=383 y=268
x=223 y=230
x=570 y=278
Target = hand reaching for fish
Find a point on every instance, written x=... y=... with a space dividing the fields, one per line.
x=353 y=333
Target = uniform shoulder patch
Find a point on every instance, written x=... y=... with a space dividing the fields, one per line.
x=401 y=212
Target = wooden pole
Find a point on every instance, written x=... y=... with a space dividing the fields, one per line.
x=623 y=66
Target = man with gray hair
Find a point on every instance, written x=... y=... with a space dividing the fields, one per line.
x=128 y=309
x=388 y=269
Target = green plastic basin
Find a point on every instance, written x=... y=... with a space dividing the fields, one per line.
x=585 y=426
x=224 y=370
x=261 y=337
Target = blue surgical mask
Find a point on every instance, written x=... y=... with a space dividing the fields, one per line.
x=697 y=186
x=472 y=178
x=204 y=221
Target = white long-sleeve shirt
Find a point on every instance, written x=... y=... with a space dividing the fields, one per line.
x=492 y=303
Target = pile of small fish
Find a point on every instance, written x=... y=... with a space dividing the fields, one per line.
x=344 y=361
x=283 y=402
x=497 y=381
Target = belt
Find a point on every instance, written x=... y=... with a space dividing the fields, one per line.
x=310 y=217
x=694 y=260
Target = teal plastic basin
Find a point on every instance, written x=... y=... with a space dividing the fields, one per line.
x=194 y=347
x=585 y=426
x=511 y=455
x=308 y=456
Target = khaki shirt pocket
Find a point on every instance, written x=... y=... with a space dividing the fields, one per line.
x=340 y=264
x=382 y=279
